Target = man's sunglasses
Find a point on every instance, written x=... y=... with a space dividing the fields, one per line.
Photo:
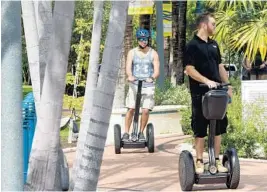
x=143 y=39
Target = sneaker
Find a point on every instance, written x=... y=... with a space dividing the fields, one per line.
x=141 y=137
x=199 y=167
x=220 y=167
x=125 y=137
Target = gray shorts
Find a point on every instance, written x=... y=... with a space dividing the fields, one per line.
x=147 y=100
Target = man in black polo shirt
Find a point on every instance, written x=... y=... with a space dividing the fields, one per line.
x=203 y=65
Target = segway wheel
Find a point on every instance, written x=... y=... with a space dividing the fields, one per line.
x=186 y=171
x=150 y=138
x=231 y=161
x=117 y=138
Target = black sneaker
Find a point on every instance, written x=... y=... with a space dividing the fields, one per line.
x=141 y=137
x=125 y=137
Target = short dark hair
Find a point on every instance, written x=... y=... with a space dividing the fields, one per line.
x=204 y=17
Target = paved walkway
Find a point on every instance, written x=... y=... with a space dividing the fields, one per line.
x=137 y=170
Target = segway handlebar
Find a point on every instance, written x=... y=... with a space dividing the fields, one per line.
x=141 y=79
x=219 y=85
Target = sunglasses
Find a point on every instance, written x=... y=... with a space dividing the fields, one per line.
x=143 y=39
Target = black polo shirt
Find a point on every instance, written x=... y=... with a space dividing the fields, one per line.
x=205 y=57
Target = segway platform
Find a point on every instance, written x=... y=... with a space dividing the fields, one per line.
x=130 y=144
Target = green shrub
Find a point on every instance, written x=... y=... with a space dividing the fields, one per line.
x=69 y=102
x=171 y=95
x=245 y=134
x=186 y=120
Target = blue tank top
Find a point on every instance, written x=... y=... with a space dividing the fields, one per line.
x=142 y=67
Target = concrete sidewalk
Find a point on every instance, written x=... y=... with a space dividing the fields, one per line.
x=137 y=170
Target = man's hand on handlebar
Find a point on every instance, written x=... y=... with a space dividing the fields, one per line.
x=211 y=84
x=131 y=78
x=230 y=91
x=149 y=80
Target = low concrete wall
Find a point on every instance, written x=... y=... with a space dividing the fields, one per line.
x=166 y=119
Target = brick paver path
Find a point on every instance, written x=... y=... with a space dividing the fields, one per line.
x=137 y=170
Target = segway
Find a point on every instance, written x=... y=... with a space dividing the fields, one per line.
x=134 y=142
x=214 y=105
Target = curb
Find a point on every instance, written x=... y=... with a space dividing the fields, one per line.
x=161 y=136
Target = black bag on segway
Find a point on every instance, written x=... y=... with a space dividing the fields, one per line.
x=214 y=104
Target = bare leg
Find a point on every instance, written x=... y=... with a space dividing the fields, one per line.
x=144 y=119
x=128 y=120
x=199 y=145
x=217 y=145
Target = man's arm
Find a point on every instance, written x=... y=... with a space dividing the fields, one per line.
x=156 y=65
x=224 y=78
x=223 y=73
x=129 y=62
x=194 y=74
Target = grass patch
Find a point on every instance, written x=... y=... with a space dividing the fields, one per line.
x=26 y=89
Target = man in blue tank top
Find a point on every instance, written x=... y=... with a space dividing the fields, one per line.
x=142 y=62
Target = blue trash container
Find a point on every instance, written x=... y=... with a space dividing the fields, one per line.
x=29 y=123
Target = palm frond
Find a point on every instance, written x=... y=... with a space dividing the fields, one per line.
x=253 y=36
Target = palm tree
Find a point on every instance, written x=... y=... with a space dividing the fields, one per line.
x=44 y=167
x=43 y=14
x=32 y=45
x=119 y=100
x=179 y=31
x=181 y=41
x=87 y=177
x=92 y=76
x=242 y=26
x=11 y=97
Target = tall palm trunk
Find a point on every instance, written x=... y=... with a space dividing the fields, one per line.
x=119 y=100
x=167 y=57
x=44 y=169
x=43 y=13
x=32 y=45
x=174 y=42
x=11 y=97
x=92 y=76
x=76 y=78
x=181 y=42
x=87 y=177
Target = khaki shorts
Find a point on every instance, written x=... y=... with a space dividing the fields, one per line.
x=147 y=100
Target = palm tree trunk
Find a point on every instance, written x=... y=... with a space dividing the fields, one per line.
x=43 y=13
x=44 y=169
x=119 y=100
x=167 y=57
x=92 y=77
x=76 y=79
x=32 y=45
x=174 y=42
x=182 y=41
x=11 y=97
x=87 y=177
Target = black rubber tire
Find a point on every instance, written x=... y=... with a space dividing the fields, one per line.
x=231 y=161
x=117 y=138
x=186 y=171
x=64 y=171
x=150 y=138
